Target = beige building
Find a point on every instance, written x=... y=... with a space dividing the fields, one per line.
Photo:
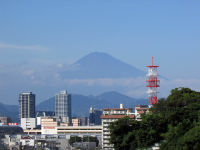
x=80 y=130
x=75 y=122
x=49 y=126
x=68 y=130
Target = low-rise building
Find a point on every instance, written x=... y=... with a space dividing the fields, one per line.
x=4 y=120
x=28 y=123
x=83 y=121
x=32 y=142
x=68 y=131
x=140 y=109
x=80 y=130
x=27 y=140
x=49 y=126
x=43 y=114
x=75 y=122
x=80 y=121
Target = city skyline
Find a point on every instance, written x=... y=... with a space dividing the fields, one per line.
x=39 y=37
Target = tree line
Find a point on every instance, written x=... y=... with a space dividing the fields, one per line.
x=173 y=123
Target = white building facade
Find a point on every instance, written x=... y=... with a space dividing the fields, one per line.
x=111 y=115
x=28 y=123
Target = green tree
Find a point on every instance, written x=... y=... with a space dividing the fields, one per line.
x=118 y=129
x=74 y=139
x=91 y=139
x=171 y=122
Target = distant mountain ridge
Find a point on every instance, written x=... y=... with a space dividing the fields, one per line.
x=81 y=104
x=9 y=111
x=100 y=65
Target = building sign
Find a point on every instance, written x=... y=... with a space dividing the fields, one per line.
x=12 y=124
x=49 y=130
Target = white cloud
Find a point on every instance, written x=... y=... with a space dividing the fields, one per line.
x=28 y=72
x=108 y=82
x=137 y=93
x=22 y=47
x=136 y=87
x=60 y=66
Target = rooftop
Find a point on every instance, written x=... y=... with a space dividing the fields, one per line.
x=26 y=93
x=142 y=108
x=116 y=116
x=117 y=109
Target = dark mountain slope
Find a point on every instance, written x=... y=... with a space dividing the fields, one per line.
x=100 y=65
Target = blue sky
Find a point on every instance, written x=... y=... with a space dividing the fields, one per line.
x=44 y=33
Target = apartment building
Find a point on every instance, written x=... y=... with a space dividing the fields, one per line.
x=111 y=115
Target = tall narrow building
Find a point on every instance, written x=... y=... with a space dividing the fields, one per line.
x=63 y=106
x=26 y=105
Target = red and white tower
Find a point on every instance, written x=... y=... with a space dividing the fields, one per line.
x=152 y=83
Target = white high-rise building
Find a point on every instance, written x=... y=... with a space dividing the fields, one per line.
x=63 y=106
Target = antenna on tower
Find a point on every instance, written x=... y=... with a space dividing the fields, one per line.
x=152 y=83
